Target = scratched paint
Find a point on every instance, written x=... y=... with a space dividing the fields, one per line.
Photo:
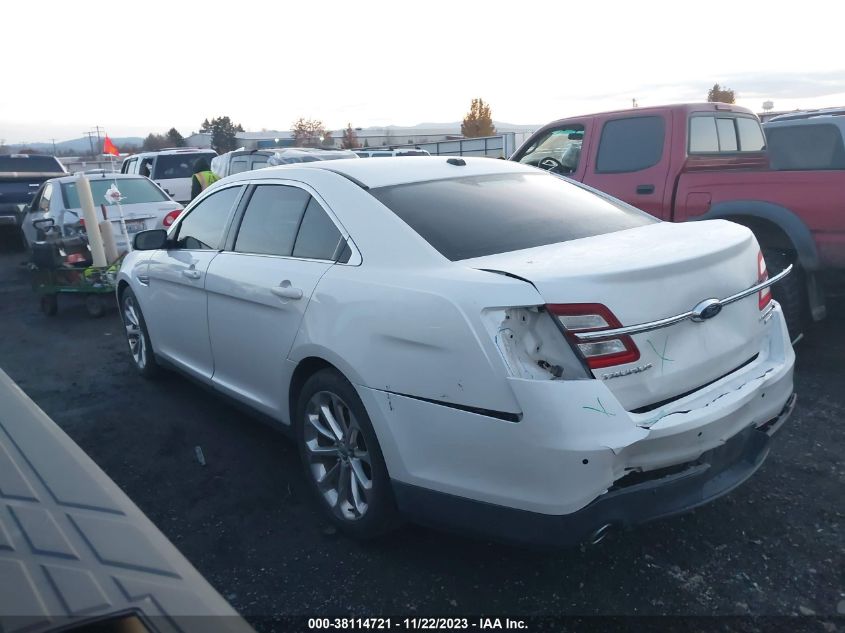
x=600 y=409
x=662 y=355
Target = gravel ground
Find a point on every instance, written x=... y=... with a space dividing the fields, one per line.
x=772 y=547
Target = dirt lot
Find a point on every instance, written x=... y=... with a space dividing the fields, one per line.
x=773 y=547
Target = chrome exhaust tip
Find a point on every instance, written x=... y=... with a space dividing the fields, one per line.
x=600 y=534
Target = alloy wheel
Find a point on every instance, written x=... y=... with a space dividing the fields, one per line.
x=337 y=455
x=134 y=334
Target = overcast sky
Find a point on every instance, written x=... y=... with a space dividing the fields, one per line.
x=147 y=66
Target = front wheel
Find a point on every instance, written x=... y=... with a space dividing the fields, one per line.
x=137 y=336
x=791 y=292
x=341 y=456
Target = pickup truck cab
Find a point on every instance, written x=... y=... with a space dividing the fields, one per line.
x=705 y=161
x=20 y=177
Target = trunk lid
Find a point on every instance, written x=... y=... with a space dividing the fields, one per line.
x=649 y=273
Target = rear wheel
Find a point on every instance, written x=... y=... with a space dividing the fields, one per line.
x=341 y=456
x=137 y=336
x=791 y=292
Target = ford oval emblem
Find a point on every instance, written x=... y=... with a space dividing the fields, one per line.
x=706 y=309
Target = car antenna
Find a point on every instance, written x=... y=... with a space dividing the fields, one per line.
x=459 y=162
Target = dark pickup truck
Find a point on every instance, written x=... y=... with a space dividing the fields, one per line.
x=20 y=177
x=703 y=161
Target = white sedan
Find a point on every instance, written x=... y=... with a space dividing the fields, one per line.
x=471 y=343
x=145 y=206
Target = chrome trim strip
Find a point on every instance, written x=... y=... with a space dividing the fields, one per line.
x=661 y=323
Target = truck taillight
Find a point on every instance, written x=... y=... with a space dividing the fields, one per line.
x=595 y=317
x=170 y=218
x=764 y=297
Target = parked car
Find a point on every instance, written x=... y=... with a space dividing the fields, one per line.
x=171 y=169
x=708 y=161
x=389 y=152
x=808 y=143
x=240 y=160
x=471 y=343
x=145 y=206
x=20 y=177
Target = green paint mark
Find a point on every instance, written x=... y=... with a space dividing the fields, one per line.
x=600 y=409
x=663 y=358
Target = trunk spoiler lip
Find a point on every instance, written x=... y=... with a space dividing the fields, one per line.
x=689 y=315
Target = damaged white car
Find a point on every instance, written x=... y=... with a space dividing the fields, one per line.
x=472 y=344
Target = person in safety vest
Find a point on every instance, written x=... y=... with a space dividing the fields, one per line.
x=202 y=178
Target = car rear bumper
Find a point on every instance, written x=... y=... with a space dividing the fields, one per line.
x=633 y=500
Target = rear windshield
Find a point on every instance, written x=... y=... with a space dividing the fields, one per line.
x=133 y=190
x=806 y=147
x=46 y=164
x=178 y=165
x=483 y=215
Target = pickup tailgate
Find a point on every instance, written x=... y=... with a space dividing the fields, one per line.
x=19 y=187
x=649 y=273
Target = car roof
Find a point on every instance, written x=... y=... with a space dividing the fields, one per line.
x=826 y=119
x=385 y=172
x=104 y=176
x=177 y=150
x=686 y=108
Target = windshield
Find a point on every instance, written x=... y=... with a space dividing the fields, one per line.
x=483 y=215
x=178 y=165
x=134 y=191
x=31 y=164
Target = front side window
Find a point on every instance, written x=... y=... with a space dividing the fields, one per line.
x=271 y=220
x=46 y=195
x=203 y=227
x=630 y=144
x=558 y=150
x=473 y=216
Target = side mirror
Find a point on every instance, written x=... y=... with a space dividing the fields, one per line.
x=150 y=240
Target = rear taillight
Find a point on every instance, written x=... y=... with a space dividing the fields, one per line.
x=170 y=218
x=764 y=297
x=595 y=317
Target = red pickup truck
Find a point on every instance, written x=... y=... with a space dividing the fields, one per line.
x=703 y=161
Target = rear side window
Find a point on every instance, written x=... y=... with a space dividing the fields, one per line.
x=271 y=220
x=806 y=147
x=318 y=236
x=475 y=216
x=203 y=227
x=237 y=166
x=178 y=165
x=631 y=144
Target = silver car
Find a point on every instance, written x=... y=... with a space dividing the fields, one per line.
x=145 y=206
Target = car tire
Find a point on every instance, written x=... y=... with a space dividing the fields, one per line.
x=791 y=292
x=341 y=456
x=137 y=336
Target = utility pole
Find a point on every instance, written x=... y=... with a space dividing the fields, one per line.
x=97 y=128
x=54 y=145
x=90 y=136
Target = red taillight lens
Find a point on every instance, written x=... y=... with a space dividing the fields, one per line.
x=765 y=295
x=594 y=317
x=170 y=218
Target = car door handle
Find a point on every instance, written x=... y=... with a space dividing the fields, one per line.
x=644 y=189
x=192 y=274
x=286 y=291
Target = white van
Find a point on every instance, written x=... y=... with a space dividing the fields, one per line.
x=171 y=169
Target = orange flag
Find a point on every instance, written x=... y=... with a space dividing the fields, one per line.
x=109 y=147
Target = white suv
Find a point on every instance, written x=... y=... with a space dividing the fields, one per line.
x=171 y=168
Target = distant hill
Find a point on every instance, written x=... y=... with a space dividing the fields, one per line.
x=75 y=146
